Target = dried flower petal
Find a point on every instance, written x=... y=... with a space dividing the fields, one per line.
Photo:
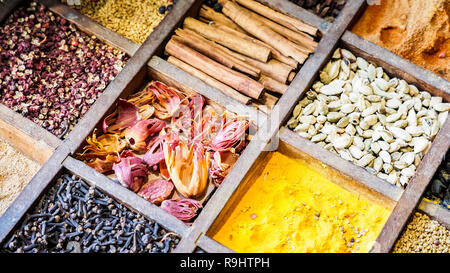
x=156 y=190
x=230 y=134
x=103 y=165
x=131 y=172
x=221 y=164
x=126 y=115
x=168 y=99
x=102 y=146
x=187 y=166
x=184 y=209
x=155 y=154
x=137 y=135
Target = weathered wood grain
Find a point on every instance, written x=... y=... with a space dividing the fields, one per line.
x=212 y=246
x=24 y=135
x=7 y=7
x=436 y=212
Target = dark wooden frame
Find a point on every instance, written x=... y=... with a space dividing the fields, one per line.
x=57 y=156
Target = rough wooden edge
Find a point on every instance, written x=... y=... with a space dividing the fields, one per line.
x=411 y=196
x=127 y=75
x=372 y=182
x=399 y=66
x=435 y=212
x=90 y=26
x=161 y=66
x=125 y=196
x=212 y=246
x=32 y=192
x=268 y=131
x=22 y=134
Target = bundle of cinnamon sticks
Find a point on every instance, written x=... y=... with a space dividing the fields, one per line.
x=243 y=51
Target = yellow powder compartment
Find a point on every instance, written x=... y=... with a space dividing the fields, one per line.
x=290 y=207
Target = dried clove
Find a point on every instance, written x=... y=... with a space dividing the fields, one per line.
x=55 y=229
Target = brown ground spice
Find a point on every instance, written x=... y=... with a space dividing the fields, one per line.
x=16 y=171
x=414 y=29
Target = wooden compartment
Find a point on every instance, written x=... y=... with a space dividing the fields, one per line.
x=345 y=183
x=82 y=25
x=112 y=190
x=281 y=6
x=58 y=155
x=155 y=72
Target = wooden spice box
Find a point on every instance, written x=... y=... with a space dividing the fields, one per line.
x=144 y=64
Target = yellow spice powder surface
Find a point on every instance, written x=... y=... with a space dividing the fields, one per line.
x=292 y=208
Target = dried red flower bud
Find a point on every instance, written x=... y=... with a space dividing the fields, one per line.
x=184 y=209
x=156 y=190
x=131 y=172
x=137 y=135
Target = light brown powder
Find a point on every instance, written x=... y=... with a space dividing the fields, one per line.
x=16 y=171
x=414 y=29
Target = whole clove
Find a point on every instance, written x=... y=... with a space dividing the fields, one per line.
x=52 y=229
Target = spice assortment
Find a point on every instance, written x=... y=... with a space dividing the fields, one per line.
x=327 y=9
x=75 y=217
x=382 y=124
x=51 y=72
x=423 y=235
x=16 y=171
x=161 y=140
x=414 y=29
x=439 y=189
x=243 y=49
x=290 y=207
x=132 y=19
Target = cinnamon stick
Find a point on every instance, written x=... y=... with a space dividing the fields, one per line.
x=266 y=102
x=275 y=53
x=237 y=44
x=214 y=69
x=303 y=40
x=291 y=76
x=261 y=31
x=285 y=20
x=273 y=85
x=273 y=68
x=211 y=50
x=209 y=80
x=219 y=18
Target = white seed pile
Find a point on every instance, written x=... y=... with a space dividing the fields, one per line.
x=423 y=235
x=382 y=124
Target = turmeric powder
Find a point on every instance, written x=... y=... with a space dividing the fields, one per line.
x=290 y=207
